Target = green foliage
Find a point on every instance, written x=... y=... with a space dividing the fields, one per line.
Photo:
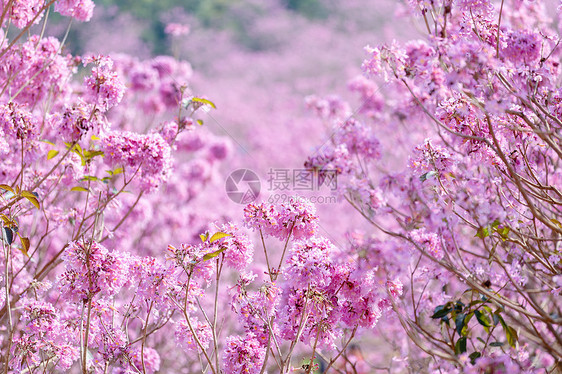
x=494 y=227
x=314 y=9
x=236 y=16
x=461 y=313
x=85 y=155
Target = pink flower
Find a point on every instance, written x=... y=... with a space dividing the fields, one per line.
x=23 y=11
x=243 y=355
x=428 y=242
x=90 y=269
x=176 y=29
x=297 y=218
x=148 y=155
x=239 y=248
x=184 y=335
x=104 y=86
x=82 y=10
x=310 y=263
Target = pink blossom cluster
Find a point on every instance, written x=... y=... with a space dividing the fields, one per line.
x=103 y=86
x=148 y=155
x=176 y=29
x=35 y=70
x=90 y=269
x=81 y=10
x=296 y=218
x=470 y=103
x=22 y=13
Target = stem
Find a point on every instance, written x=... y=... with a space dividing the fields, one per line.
x=42 y=179
x=264 y=366
x=124 y=217
x=144 y=336
x=46 y=65
x=8 y=306
x=333 y=360
x=498 y=36
x=266 y=257
x=285 y=249
x=86 y=336
x=216 y=312
x=313 y=350
x=302 y=324
x=192 y=330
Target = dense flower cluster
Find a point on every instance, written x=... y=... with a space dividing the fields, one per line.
x=82 y=10
x=148 y=155
x=35 y=70
x=90 y=269
x=295 y=218
x=243 y=355
x=103 y=86
x=22 y=12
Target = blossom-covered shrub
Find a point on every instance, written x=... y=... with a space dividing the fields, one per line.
x=475 y=206
x=119 y=254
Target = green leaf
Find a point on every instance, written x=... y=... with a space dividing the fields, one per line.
x=90 y=178
x=32 y=198
x=78 y=188
x=504 y=231
x=52 y=154
x=200 y=122
x=459 y=322
x=25 y=246
x=504 y=325
x=204 y=101
x=460 y=346
x=428 y=175
x=48 y=142
x=510 y=333
x=495 y=319
x=203 y=237
x=7 y=188
x=217 y=236
x=474 y=302
x=441 y=311
x=496 y=344
x=78 y=149
x=482 y=318
x=8 y=235
x=473 y=356
x=511 y=336
x=91 y=154
x=214 y=254
x=464 y=331
x=459 y=306
x=483 y=232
